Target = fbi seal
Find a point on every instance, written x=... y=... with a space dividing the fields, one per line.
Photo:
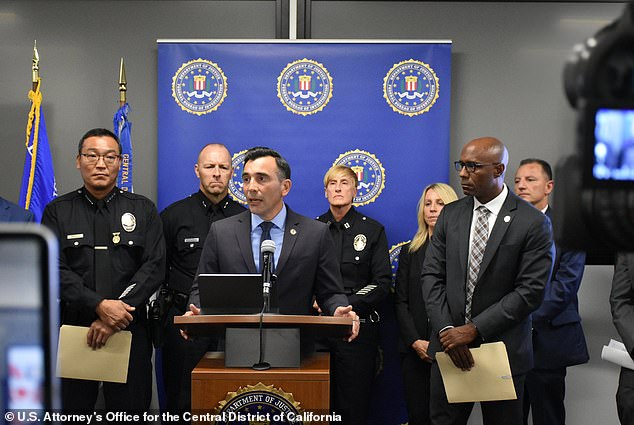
x=235 y=183
x=304 y=87
x=199 y=86
x=395 y=251
x=411 y=87
x=370 y=174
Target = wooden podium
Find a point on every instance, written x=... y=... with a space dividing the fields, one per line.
x=304 y=390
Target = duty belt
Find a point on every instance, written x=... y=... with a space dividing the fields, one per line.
x=372 y=317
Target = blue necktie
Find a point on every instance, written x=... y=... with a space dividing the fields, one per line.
x=266 y=235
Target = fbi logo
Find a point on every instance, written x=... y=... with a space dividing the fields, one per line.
x=235 y=183
x=199 y=87
x=370 y=174
x=395 y=251
x=258 y=404
x=304 y=87
x=411 y=87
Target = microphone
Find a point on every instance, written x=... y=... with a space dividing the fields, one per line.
x=267 y=249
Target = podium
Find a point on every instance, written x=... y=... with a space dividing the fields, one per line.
x=223 y=394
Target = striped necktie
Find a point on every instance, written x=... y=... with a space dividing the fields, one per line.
x=478 y=245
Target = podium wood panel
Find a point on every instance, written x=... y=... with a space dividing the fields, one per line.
x=309 y=384
x=215 y=325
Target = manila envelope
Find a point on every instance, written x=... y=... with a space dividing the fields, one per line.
x=76 y=359
x=489 y=379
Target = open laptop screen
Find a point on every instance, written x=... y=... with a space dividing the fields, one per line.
x=233 y=294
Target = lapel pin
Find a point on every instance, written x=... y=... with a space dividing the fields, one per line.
x=507 y=218
x=293 y=232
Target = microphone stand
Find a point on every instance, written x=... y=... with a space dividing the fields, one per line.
x=267 y=277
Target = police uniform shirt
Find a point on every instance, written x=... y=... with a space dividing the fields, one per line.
x=363 y=254
x=135 y=249
x=185 y=225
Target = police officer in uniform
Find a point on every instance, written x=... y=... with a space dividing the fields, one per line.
x=111 y=260
x=362 y=250
x=186 y=224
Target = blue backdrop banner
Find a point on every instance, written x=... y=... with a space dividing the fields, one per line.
x=383 y=108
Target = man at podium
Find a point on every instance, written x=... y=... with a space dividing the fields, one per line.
x=304 y=259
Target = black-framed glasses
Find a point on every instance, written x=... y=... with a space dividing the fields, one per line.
x=93 y=158
x=471 y=166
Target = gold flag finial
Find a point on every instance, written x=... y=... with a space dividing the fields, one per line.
x=36 y=65
x=123 y=84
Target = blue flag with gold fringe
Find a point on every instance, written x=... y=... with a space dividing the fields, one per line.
x=122 y=128
x=38 y=178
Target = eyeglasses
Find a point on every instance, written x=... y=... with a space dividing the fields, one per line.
x=471 y=166
x=93 y=158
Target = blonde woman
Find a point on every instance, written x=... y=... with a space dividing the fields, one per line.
x=410 y=308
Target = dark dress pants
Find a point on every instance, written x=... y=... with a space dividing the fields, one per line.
x=179 y=358
x=507 y=412
x=544 y=394
x=353 y=369
x=625 y=397
x=416 y=374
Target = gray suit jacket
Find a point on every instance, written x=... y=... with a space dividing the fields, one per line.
x=622 y=299
x=307 y=265
x=515 y=268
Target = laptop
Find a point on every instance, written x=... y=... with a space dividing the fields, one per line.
x=233 y=294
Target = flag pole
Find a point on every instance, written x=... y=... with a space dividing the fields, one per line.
x=123 y=84
x=36 y=67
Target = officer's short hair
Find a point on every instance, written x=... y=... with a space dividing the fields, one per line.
x=283 y=168
x=545 y=166
x=338 y=169
x=98 y=132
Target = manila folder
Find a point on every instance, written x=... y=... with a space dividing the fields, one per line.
x=76 y=359
x=488 y=380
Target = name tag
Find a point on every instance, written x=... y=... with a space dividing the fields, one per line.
x=75 y=236
x=188 y=240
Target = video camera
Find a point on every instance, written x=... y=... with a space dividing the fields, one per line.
x=595 y=199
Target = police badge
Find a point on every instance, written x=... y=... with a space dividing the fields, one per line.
x=359 y=242
x=128 y=221
x=411 y=87
x=304 y=87
x=370 y=174
x=199 y=86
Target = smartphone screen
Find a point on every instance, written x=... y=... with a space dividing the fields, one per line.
x=28 y=318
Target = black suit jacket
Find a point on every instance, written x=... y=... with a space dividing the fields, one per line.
x=408 y=302
x=515 y=269
x=307 y=265
x=622 y=299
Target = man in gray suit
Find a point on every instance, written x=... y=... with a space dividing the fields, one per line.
x=485 y=271
x=622 y=304
x=306 y=265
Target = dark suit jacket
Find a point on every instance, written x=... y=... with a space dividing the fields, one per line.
x=515 y=269
x=408 y=302
x=622 y=299
x=12 y=212
x=307 y=265
x=558 y=339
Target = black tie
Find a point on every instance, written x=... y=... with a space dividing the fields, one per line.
x=266 y=235
x=337 y=236
x=103 y=284
x=216 y=213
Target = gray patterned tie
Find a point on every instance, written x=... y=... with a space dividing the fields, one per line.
x=478 y=245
